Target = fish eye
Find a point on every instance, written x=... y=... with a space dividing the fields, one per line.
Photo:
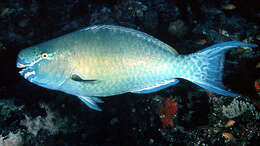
x=44 y=55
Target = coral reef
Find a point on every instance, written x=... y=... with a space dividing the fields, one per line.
x=238 y=107
x=52 y=122
x=11 y=139
x=167 y=113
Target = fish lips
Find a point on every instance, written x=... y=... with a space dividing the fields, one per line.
x=26 y=71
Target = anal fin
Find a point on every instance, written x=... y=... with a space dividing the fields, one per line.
x=156 y=87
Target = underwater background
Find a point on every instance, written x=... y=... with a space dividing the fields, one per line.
x=184 y=114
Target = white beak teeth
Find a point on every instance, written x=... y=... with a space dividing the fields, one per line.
x=26 y=75
x=19 y=65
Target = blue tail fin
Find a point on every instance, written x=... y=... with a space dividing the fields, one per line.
x=211 y=64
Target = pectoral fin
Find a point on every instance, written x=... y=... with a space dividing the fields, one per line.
x=77 y=78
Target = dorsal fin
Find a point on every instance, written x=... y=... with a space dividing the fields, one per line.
x=135 y=33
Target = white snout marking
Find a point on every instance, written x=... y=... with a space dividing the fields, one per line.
x=26 y=75
x=19 y=65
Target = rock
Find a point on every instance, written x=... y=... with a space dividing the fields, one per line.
x=23 y=23
x=177 y=28
x=151 y=20
x=2 y=47
x=114 y=121
x=151 y=141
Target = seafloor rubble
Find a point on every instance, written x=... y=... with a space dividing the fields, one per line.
x=183 y=114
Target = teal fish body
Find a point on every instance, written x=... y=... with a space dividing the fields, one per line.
x=106 y=60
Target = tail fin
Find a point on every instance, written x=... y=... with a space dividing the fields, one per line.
x=210 y=69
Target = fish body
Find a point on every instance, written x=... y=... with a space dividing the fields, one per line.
x=106 y=60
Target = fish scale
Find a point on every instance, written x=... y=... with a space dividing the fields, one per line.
x=106 y=60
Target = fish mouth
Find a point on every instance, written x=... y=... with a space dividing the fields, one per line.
x=20 y=66
x=26 y=71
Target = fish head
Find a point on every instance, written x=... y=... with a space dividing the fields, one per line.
x=42 y=66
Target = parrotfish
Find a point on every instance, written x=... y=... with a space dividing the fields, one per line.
x=106 y=60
